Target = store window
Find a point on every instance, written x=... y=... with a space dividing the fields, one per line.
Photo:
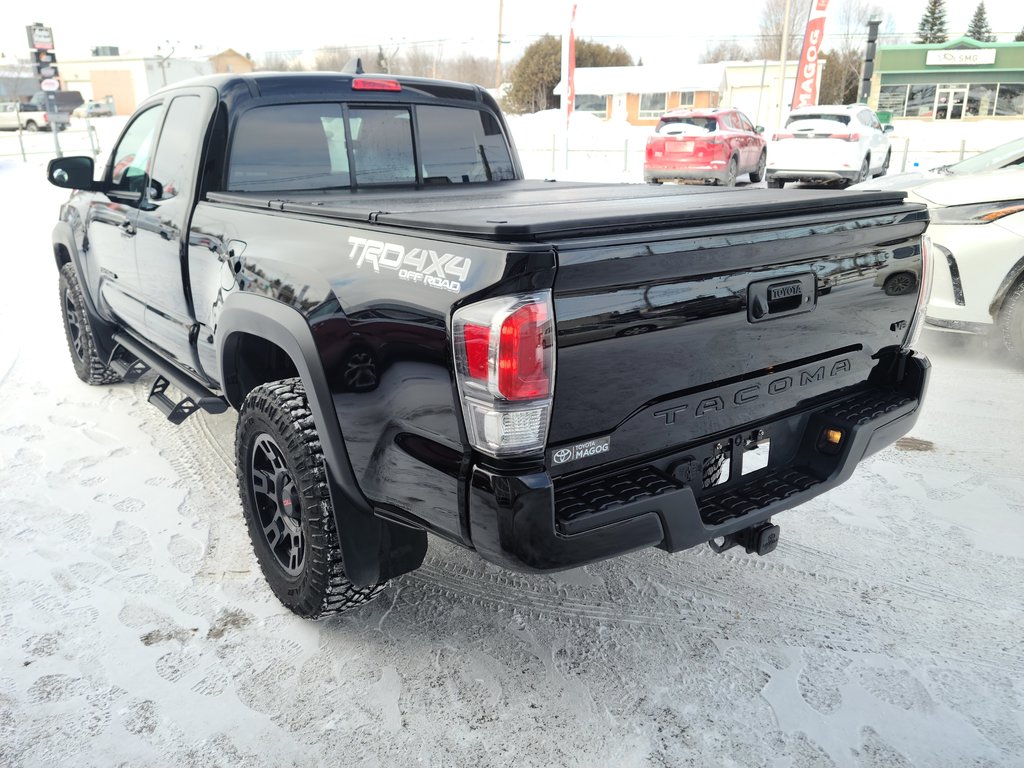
x=686 y=99
x=981 y=100
x=652 y=105
x=1010 y=100
x=920 y=101
x=593 y=105
x=893 y=99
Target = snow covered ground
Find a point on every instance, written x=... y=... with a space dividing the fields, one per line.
x=136 y=629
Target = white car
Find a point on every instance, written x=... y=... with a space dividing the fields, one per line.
x=1003 y=156
x=829 y=143
x=977 y=232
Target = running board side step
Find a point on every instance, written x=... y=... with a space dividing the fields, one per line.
x=196 y=395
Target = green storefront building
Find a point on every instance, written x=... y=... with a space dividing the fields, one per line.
x=957 y=80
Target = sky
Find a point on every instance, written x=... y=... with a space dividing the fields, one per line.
x=655 y=30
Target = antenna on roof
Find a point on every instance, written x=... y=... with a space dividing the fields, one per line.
x=353 y=67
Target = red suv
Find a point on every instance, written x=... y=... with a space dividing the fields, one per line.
x=710 y=145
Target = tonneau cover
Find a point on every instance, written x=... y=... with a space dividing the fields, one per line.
x=535 y=210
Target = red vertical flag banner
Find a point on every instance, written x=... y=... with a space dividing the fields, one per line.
x=805 y=94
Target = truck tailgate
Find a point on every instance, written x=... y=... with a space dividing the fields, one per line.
x=678 y=336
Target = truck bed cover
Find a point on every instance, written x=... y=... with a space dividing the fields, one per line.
x=535 y=210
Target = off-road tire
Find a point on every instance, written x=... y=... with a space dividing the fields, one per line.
x=758 y=173
x=1011 y=321
x=279 y=411
x=89 y=366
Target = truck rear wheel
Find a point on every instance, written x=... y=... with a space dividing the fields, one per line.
x=287 y=506
x=89 y=366
x=1011 y=321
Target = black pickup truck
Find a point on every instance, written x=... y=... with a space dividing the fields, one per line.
x=418 y=340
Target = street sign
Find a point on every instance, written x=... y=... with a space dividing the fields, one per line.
x=47 y=72
x=40 y=37
x=49 y=84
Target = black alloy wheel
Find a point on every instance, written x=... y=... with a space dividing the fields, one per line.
x=89 y=366
x=278 y=504
x=286 y=501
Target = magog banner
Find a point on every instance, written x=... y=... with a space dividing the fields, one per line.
x=805 y=94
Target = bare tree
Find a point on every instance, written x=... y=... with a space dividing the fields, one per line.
x=332 y=59
x=279 y=62
x=725 y=50
x=846 y=34
x=769 y=43
x=470 y=69
x=417 y=62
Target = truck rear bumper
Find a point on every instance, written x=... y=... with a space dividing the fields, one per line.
x=812 y=176
x=529 y=522
x=716 y=172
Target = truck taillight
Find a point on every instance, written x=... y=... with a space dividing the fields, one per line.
x=505 y=366
x=924 y=292
x=846 y=136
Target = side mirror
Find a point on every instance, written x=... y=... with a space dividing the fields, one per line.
x=888 y=128
x=71 y=172
x=759 y=129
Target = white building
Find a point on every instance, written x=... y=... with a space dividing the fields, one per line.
x=128 y=80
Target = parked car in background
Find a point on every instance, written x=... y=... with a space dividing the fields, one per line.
x=28 y=117
x=709 y=145
x=829 y=143
x=94 y=109
x=1003 y=156
x=977 y=230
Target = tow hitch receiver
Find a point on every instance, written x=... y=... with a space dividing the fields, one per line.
x=760 y=539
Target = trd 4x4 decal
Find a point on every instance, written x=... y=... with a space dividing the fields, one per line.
x=445 y=271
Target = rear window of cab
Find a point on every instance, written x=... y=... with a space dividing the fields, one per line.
x=319 y=146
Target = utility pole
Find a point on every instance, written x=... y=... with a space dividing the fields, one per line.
x=497 y=66
x=163 y=64
x=783 y=55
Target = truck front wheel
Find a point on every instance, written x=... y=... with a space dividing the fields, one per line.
x=282 y=479
x=89 y=366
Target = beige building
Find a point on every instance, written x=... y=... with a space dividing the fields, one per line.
x=231 y=62
x=126 y=80
x=640 y=95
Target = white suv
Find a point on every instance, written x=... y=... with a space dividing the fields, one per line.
x=829 y=143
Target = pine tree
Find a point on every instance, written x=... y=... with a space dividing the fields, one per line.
x=979 y=28
x=932 y=28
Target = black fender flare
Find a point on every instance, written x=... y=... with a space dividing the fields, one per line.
x=102 y=330
x=374 y=549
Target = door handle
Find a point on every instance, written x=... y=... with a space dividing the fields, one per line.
x=127 y=228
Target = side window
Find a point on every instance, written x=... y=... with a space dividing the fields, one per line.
x=293 y=147
x=745 y=123
x=174 y=165
x=131 y=157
